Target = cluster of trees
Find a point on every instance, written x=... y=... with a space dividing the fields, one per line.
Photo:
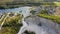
x=17 y=3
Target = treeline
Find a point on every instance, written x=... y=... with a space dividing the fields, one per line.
x=15 y=4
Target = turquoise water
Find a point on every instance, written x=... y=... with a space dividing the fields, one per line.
x=23 y=10
x=14 y=9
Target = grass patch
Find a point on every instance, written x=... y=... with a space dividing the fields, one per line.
x=11 y=25
x=56 y=19
x=10 y=30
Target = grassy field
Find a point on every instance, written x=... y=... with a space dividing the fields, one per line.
x=56 y=19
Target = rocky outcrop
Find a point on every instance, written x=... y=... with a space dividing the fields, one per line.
x=43 y=22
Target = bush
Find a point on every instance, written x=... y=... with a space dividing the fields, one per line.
x=32 y=11
x=44 y=12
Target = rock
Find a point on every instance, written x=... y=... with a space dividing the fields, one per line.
x=43 y=22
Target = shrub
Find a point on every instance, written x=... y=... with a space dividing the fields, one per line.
x=32 y=11
x=44 y=12
x=27 y=32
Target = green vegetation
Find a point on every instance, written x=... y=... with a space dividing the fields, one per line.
x=44 y=12
x=27 y=32
x=11 y=25
x=9 y=30
x=28 y=16
x=4 y=4
x=56 y=19
x=2 y=19
x=33 y=12
x=57 y=3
